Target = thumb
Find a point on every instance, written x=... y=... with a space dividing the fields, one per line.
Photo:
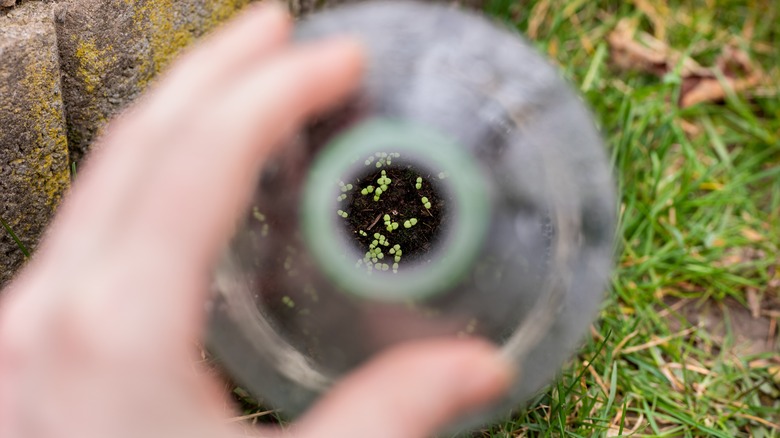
x=411 y=391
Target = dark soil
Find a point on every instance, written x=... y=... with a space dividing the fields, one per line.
x=402 y=202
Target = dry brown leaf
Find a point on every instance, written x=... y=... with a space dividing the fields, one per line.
x=752 y=235
x=733 y=72
x=754 y=303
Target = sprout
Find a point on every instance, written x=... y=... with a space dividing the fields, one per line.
x=383 y=187
x=374 y=259
x=413 y=221
x=418 y=186
x=395 y=225
x=424 y=199
x=350 y=186
x=368 y=162
x=370 y=189
x=399 y=252
x=379 y=191
x=287 y=301
x=385 y=266
x=376 y=235
x=378 y=164
x=387 y=218
x=380 y=256
x=342 y=213
x=427 y=205
x=407 y=224
x=395 y=268
x=341 y=197
x=397 y=258
x=364 y=192
x=392 y=250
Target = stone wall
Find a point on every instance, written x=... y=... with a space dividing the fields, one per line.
x=68 y=66
x=33 y=147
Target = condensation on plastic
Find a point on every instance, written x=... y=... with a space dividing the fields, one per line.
x=286 y=328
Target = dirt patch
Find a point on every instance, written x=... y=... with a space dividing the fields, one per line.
x=401 y=202
x=730 y=324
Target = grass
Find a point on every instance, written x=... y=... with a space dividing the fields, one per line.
x=673 y=353
x=699 y=224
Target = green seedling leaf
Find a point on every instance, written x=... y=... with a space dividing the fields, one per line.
x=16 y=239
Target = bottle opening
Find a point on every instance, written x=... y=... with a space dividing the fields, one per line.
x=394 y=211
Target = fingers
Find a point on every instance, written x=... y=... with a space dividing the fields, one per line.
x=412 y=391
x=150 y=237
x=257 y=33
x=132 y=141
x=205 y=178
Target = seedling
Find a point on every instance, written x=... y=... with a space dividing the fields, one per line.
x=418 y=185
x=342 y=213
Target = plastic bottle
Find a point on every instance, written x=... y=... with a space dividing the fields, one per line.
x=497 y=161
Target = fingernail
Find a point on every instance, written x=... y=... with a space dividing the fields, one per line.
x=271 y=7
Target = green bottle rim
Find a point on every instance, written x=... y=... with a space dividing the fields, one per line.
x=458 y=246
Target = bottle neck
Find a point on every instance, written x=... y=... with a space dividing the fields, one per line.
x=341 y=163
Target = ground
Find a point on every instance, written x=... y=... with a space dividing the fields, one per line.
x=401 y=202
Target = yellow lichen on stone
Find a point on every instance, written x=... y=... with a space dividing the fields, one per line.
x=47 y=178
x=93 y=63
x=223 y=10
x=170 y=28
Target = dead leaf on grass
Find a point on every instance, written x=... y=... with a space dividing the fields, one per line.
x=754 y=302
x=730 y=320
x=733 y=71
x=752 y=235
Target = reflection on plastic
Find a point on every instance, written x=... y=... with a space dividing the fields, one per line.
x=524 y=247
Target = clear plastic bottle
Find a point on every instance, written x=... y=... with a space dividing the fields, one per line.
x=495 y=217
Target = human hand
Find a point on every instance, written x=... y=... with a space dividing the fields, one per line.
x=98 y=335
